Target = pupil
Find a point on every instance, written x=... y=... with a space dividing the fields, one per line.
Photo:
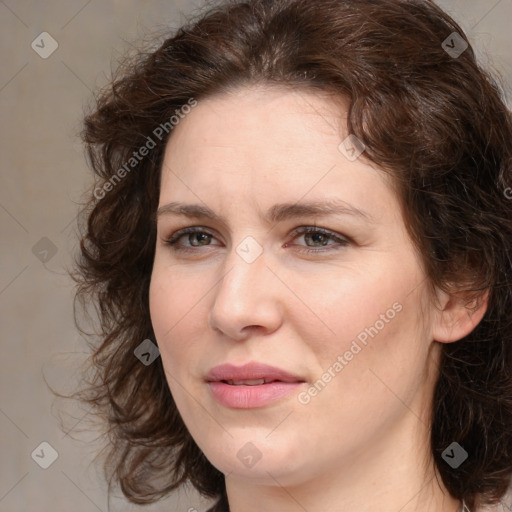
x=317 y=238
x=201 y=237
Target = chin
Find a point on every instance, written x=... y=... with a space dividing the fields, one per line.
x=258 y=460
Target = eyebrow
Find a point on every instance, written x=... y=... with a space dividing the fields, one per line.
x=277 y=213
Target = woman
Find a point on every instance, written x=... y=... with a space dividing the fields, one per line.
x=303 y=205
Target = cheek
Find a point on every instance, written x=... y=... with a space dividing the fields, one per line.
x=162 y=301
x=168 y=309
x=176 y=301
x=167 y=306
x=350 y=305
x=366 y=368
x=378 y=335
x=172 y=296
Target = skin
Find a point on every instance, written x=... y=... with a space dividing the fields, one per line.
x=362 y=443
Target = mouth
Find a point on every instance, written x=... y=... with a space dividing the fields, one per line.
x=250 y=386
x=250 y=374
x=249 y=382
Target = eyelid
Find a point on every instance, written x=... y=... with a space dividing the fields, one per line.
x=317 y=229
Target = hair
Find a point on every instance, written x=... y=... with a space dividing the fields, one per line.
x=435 y=122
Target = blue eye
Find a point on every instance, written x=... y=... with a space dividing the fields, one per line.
x=321 y=240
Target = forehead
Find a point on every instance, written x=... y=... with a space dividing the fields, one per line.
x=268 y=141
x=267 y=119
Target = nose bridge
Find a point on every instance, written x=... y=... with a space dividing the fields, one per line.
x=246 y=295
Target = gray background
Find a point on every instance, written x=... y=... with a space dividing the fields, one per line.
x=43 y=177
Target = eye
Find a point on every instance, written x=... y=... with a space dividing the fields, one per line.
x=318 y=238
x=196 y=236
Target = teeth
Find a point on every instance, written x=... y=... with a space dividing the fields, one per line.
x=249 y=382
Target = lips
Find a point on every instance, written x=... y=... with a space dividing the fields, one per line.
x=250 y=374
x=251 y=386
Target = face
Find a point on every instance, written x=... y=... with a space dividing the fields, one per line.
x=294 y=255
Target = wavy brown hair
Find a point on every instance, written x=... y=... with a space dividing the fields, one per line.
x=435 y=122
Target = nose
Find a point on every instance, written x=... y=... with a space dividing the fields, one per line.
x=247 y=300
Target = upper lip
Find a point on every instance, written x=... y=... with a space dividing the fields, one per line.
x=249 y=371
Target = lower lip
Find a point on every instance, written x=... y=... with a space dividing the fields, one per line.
x=249 y=397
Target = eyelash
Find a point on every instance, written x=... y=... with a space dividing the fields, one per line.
x=172 y=241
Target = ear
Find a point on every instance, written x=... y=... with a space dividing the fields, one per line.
x=458 y=316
